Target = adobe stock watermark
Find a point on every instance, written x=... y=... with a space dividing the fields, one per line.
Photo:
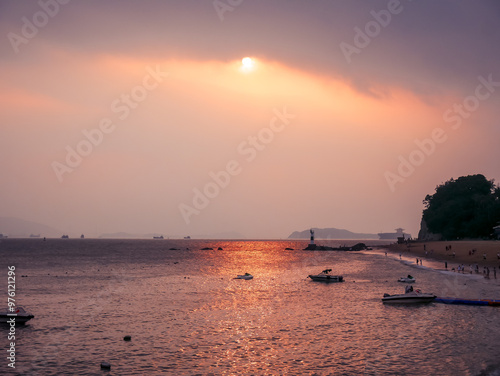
x=373 y=28
x=121 y=106
x=455 y=116
x=223 y=6
x=31 y=27
x=221 y=179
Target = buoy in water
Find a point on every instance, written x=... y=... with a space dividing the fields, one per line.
x=105 y=365
x=127 y=338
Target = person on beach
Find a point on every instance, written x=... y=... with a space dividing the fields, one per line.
x=446 y=265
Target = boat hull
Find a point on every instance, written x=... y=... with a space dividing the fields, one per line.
x=327 y=278
x=410 y=298
x=19 y=320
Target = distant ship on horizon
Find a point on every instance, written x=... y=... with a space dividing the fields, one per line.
x=393 y=235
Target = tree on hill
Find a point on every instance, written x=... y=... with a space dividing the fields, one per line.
x=468 y=207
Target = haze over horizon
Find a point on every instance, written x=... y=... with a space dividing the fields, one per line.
x=142 y=118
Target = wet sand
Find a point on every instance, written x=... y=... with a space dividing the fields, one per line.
x=453 y=252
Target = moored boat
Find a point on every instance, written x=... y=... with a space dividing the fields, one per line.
x=409 y=279
x=411 y=297
x=19 y=315
x=325 y=276
x=246 y=276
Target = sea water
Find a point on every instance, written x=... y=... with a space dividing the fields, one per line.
x=187 y=315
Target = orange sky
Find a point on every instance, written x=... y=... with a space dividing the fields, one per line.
x=306 y=147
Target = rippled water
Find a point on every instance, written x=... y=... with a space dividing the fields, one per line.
x=187 y=314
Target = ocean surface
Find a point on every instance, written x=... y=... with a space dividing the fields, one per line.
x=187 y=315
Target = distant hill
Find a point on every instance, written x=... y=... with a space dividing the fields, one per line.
x=331 y=233
x=20 y=228
x=127 y=235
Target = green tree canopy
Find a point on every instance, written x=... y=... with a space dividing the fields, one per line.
x=468 y=207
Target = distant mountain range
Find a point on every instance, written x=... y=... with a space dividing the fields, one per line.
x=127 y=235
x=331 y=233
x=20 y=228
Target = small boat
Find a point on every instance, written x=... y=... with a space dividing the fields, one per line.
x=19 y=315
x=325 y=276
x=410 y=297
x=246 y=276
x=409 y=279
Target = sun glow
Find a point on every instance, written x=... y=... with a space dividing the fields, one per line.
x=247 y=64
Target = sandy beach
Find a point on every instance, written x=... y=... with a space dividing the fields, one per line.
x=454 y=252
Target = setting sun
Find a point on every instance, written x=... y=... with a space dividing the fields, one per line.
x=247 y=64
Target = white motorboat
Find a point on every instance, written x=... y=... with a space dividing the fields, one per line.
x=409 y=279
x=246 y=276
x=410 y=297
x=19 y=315
x=325 y=276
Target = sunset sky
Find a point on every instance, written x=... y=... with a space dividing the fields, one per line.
x=139 y=116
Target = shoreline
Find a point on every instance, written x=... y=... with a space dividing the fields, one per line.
x=454 y=253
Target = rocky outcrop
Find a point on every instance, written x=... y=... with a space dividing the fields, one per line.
x=314 y=247
x=425 y=235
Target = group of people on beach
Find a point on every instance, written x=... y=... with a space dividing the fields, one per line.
x=486 y=269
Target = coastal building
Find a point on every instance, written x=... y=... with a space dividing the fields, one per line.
x=393 y=235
